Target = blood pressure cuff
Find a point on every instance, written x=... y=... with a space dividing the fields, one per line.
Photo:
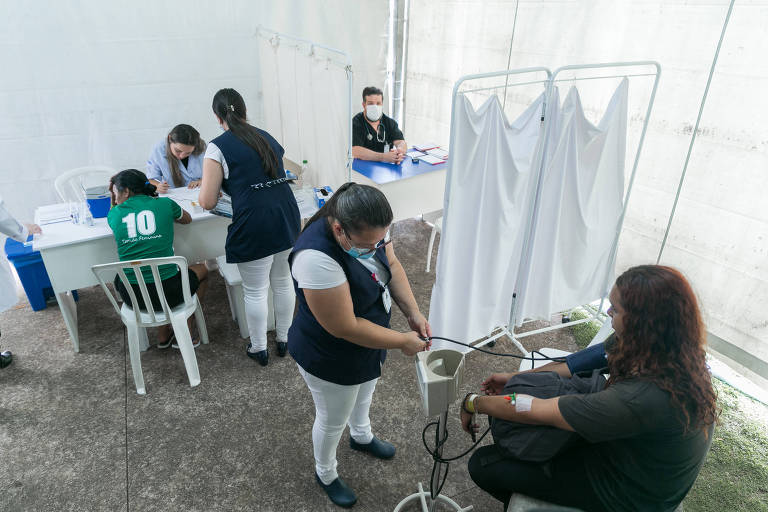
x=588 y=359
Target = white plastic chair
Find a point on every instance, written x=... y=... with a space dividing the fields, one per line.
x=136 y=321
x=69 y=185
x=437 y=227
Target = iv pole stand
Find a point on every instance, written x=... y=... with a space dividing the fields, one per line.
x=423 y=495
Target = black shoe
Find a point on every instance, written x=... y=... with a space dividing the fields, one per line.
x=262 y=356
x=378 y=448
x=6 y=358
x=338 y=492
x=282 y=348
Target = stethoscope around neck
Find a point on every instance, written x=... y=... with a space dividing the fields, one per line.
x=369 y=135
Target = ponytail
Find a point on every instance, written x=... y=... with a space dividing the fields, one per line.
x=356 y=207
x=229 y=106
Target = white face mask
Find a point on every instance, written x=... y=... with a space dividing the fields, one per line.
x=373 y=112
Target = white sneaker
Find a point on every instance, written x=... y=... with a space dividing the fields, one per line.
x=195 y=343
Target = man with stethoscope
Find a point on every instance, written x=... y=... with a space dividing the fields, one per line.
x=376 y=136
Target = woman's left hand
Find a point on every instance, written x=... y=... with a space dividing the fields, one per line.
x=418 y=323
x=466 y=420
x=194 y=184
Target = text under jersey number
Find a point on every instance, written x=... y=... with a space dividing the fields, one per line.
x=143 y=222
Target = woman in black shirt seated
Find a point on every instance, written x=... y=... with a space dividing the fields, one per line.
x=644 y=437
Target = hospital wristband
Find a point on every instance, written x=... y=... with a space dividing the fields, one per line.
x=469 y=403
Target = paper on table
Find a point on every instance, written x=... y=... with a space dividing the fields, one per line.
x=53 y=213
x=305 y=199
x=415 y=154
x=438 y=152
x=183 y=193
x=424 y=147
x=433 y=160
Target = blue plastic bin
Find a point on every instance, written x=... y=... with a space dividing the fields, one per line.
x=99 y=200
x=29 y=265
x=99 y=207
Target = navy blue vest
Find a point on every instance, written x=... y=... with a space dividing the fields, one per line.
x=265 y=219
x=315 y=349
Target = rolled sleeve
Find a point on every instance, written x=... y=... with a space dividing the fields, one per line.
x=358 y=131
x=397 y=134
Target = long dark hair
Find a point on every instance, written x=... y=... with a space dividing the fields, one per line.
x=133 y=180
x=663 y=340
x=182 y=134
x=356 y=207
x=229 y=106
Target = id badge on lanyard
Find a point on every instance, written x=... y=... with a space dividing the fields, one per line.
x=386 y=298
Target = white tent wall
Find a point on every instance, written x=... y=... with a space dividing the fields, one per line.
x=94 y=82
x=718 y=237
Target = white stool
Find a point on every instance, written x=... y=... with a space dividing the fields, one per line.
x=234 y=284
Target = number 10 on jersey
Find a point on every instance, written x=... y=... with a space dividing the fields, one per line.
x=143 y=222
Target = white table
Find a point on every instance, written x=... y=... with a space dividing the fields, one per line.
x=69 y=251
x=411 y=189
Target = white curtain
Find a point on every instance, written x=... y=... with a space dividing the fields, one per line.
x=580 y=205
x=305 y=100
x=488 y=194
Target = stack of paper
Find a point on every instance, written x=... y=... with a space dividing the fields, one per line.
x=424 y=147
x=223 y=206
x=439 y=153
x=53 y=213
x=183 y=194
x=432 y=160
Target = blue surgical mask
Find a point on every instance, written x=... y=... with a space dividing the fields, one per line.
x=362 y=254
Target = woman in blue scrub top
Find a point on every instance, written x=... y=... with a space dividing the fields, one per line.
x=177 y=161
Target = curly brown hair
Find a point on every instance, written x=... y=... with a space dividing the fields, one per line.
x=663 y=339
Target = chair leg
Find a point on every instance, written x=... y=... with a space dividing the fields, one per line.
x=431 y=244
x=184 y=340
x=230 y=299
x=242 y=320
x=200 y=321
x=135 y=352
x=143 y=339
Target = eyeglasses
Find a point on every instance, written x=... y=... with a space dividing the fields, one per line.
x=365 y=251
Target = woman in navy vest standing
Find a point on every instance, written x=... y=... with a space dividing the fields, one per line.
x=247 y=163
x=346 y=276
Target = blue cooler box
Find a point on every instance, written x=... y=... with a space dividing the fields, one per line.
x=99 y=201
x=29 y=265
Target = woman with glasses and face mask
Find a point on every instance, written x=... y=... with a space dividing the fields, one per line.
x=346 y=277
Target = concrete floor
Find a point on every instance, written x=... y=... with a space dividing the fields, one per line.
x=74 y=435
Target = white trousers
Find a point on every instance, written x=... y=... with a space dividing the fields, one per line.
x=335 y=407
x=258 y=276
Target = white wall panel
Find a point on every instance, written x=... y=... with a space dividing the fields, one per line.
x=92 y=82
x=720 y=234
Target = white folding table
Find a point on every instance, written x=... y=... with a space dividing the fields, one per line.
x=69 y=251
